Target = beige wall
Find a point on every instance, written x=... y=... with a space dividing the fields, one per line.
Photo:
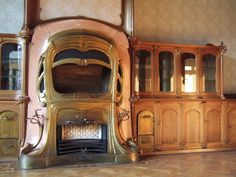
x=105 y=10
x=191 y=22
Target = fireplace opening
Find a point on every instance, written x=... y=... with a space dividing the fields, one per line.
x=74 y=137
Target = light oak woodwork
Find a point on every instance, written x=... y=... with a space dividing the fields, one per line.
x=183 y=120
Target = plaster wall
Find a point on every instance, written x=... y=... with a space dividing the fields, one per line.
x=191 y=22
x=106 y=10
x=11 y=16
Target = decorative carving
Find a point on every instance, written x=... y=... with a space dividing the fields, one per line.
x=25 y=33
x=23 y=99
x=182 y=145
x=204 y=145
x=36 y=119
x=134 y=99
x=178 y=51
x=223 y=48
x=8 y=146
x=41 y=91
x=123 y=116
x=8 y=115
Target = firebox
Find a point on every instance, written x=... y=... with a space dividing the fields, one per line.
x=86 y=137
x=81 y=132
x=80 y=91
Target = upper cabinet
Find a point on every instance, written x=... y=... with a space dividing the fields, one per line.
x=143 y=66
x=176 y=71
x=12 y=68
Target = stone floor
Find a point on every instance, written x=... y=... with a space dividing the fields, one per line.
x=221 y=164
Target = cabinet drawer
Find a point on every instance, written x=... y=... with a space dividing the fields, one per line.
x=146 y=142
x=8 y=147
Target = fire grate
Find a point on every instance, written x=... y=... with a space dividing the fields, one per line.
x=78 y=138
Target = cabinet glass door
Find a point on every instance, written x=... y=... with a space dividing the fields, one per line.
x=188 y=72
x=166 y=71
x=10 y=67
x=209 y=73
x=143 y=71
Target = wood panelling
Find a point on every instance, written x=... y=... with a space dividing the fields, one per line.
x=191 y=118
x=169 y=127
x=232 y=127
x=145 y=123
x=11 y=126
x=168 y=134
x=212 y=124
x=186 y=124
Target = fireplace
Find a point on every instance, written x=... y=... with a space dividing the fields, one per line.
x=80 y=81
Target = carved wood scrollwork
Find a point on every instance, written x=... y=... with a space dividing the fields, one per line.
x=7 y=115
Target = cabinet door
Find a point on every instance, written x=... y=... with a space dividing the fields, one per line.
x=145 y=130
x=10 y=70
x=192 y=115
x=188 y=73
x=144 y=72
x=10 y=128
x=166 y=72
x=168 y=134
x=232 y=127
x=213 y=124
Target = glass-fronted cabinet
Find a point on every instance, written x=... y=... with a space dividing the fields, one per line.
x=12 y=92
x=176 y=71
x=11 y=59
x=188 y=73
x=166 y=71
x=209 y=73
x=143 y=72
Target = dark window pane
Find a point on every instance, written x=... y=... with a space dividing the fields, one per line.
x=10 y=67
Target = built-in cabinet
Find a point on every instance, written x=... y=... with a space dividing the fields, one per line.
x=177 y=98
x=12 y=94
x=185 y=124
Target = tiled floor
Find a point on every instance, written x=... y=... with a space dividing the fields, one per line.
x=221 y=164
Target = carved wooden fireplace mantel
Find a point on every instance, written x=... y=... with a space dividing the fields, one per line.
x=78 y=70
